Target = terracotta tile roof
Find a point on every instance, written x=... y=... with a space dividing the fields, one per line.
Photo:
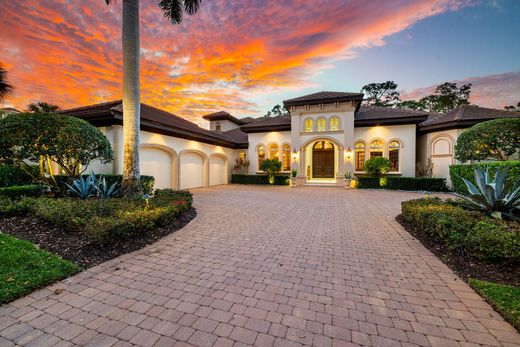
x=152 y=119
x=463 y=117
x=377 y=115
x=323 y=97
x=278 y=123
x=237 y=136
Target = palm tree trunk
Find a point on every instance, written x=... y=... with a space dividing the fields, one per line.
x=131 y=97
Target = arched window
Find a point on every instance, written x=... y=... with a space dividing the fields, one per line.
x=261 y=156
x=274 y=151
x=309 y=126
x=360 y=156
x=334 y=123
x=322 y=124
x=393 y=155
x=286 y=162
x=376 y=148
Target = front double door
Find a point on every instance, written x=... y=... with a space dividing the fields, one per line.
x=323 y=160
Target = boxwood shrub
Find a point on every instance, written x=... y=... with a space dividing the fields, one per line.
x=279 y=180
x=468 y=172
x=464 y=231
x=103 y=220
x=147 y=182
x=19 y=191
x=12 y=175
x=403 y=183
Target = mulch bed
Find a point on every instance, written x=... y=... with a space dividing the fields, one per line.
x=75 y=247
x=464 y=267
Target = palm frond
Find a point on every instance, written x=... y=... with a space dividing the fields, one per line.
x=173 y=9
x=5 y=88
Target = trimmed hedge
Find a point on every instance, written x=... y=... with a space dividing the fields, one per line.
x=279 y=180
x=467 y=232
x=19 y=191
x=12 y=175
x=147 y=182
x=403 y=183
x=468 y=172
x=103 y=220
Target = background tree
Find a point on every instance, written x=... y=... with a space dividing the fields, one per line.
x=5 y=88
x=70 y=142
x=513 y=108
x=449 y=96
x=42 y=106
x=277 y=110
x=411 y=105
x=498 y=139
x=381 y=94
x=173 y=10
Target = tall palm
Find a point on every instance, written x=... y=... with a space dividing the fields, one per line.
x=5 y=88
x=42 y=106
x=173 y=10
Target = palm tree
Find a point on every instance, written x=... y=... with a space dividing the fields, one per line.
x=5 y=88
x=42 y=106
x=173 y=10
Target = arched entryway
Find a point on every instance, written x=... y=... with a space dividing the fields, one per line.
x=323 y=160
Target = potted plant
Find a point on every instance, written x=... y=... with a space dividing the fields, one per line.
x=348 y=179
x=293 y=177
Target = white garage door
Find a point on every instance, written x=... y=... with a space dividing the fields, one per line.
x=157 y=163
x=192 y=174
x=217 y=171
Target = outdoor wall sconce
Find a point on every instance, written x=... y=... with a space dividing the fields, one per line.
x=349 y=152
x=294 y=153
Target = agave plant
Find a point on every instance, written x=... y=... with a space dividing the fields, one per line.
x=83 y=187
x=105 y=191
x=495 y=197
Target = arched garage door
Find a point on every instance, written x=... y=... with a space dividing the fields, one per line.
x=217 y=170
x=159 y=164
x=192 y=170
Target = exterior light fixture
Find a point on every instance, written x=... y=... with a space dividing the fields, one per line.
x=294 y=153
x=349 y=152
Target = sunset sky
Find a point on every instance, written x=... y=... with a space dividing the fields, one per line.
x=245 y=56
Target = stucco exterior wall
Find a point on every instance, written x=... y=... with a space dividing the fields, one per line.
x=267 y=138
x=405 y=134
x=225 y=125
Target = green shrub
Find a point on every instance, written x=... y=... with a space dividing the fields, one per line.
x=468 y=232
x=404 y=183
x=279 y=180
x=10 y=208
x=12 y=175
x=19 y=191
x=271 y=167
x=378 y=166
x=147 y=182
x=468 y=172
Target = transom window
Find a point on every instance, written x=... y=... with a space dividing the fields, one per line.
x=393 y=155
x=309 y=126
x=376 y=148
x=334 y=123
x=360 y=156
x=274 y=151
x=261 y=156
x=322 y=124
x=323 y=145
x=286 y=162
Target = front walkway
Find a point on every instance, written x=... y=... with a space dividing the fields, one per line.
x=267 y=266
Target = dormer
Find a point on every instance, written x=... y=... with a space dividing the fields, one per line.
x=223 y=121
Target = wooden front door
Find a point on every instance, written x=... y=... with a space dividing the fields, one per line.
x=323 y=160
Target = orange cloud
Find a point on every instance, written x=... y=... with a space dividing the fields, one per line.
x=69 y=52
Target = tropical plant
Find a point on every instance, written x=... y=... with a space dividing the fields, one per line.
x=294 y=173
x=6 y=89
x=378 y=166
x=349 y=175
x=495 y=197
x=104 y=191
x=83 y=187
x=70 y=142
x=271 y=167
x=498 y=139
x=173 y=10
x=42 y=106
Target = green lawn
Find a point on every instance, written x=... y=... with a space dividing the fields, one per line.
x=24 y=268
x=505 y=299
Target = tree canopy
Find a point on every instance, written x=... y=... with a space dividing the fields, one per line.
x=70 y=142
x=277 y=110
x=381 y=94
x=498 y=139
x=447 y=97
x=6 y=89
x=513 y=108
x=42 y=106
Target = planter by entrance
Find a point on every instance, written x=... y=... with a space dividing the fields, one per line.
x=348 y=183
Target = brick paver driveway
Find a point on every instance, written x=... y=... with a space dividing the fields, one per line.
x=267 y=266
